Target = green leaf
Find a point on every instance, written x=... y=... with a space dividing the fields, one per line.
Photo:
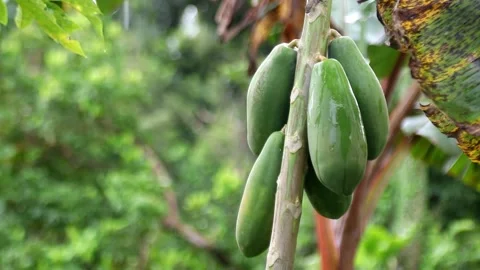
x=23 y=18
x=382 y=59
x=459 y=166
x=63 y=21
x=436 y=149
x=109 y=6
x=472 y=175
x=90 y=11
x=48 y=22
x=3 y=13
x=421 y=126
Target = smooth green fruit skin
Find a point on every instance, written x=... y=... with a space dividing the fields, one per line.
x=324 y=201
x=336 y=138
x=268 y=97
x=367 y=91
x=255 y=215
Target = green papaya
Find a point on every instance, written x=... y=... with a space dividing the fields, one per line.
x=326 y=202
x=268 y=96
x=367 y=91
x=336 y=137
x=255 y=215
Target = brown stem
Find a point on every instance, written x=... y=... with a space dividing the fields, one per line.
x=381 y=165
x=396 y=117
x=333 y=25
x=378 y=181
x=389 y=84
x=356 y=221
x=144 y=252
x=225 y=15
x=172 y=220
x=325 y=243
x=352 y=231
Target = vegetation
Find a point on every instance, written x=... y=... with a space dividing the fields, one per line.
x=136 y=157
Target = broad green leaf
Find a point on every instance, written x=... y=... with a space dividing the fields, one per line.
x=443 y=40
x=90 y=11
x=471 y=175
x=459 y=167
x=439 y=151
x=23 y=18
x=382 y=59
x=421 y=126
x=3 y=13
x=109 y=6
x=62 y=19
x=420 y=149
x=47 y=21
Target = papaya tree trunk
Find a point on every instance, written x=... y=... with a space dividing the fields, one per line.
x=289 y=196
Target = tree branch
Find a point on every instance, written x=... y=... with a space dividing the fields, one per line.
x=389 y=84
x=172 y=220
x=352 y=231
x=356 y=219
x=288 y=202
x=378 y=180
x=325 y=242
x=382 y=164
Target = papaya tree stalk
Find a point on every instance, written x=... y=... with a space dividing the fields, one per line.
x=289 y=196
x=356 y=219
x=327 y=250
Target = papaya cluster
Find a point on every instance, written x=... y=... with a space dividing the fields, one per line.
x=347 y=125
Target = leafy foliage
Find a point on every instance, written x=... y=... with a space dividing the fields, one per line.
x=77 y=192
x=54 y=18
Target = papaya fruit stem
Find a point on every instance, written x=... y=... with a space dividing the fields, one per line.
x=293 y=44
x=320 y=58
x=333 y=34
x=289 y=195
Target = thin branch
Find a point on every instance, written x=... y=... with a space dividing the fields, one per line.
x=172 y=220
x=325 y=242
x=356 y=220
x=396 y=118
x=352 y=231
x=225 y=13
x=379 y=180
x=391 y=81
x=333 y=25
x=224 y=17
x=144 y=252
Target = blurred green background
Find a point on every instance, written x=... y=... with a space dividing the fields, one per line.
x=96 y=152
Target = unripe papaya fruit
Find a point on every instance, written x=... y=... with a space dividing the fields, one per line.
x=255 y=216
x=268 y=97
x=367 y=91
x=326 y=202
x=336 y=138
